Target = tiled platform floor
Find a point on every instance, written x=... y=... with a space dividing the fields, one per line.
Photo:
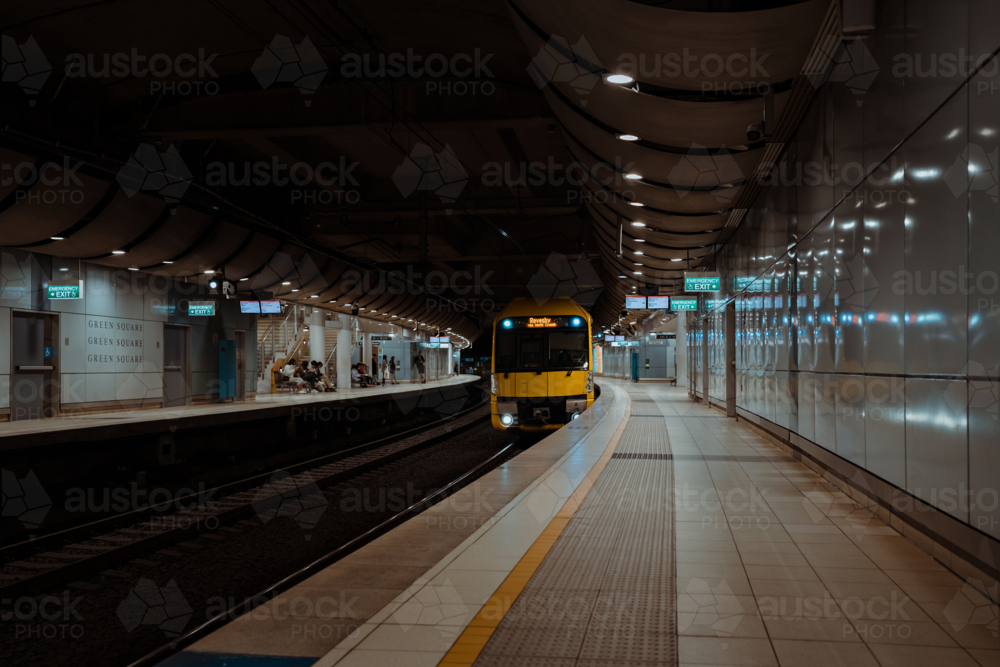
x=774 y=566
x=261 y=400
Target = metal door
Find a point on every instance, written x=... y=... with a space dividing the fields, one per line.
x=175 y=386
x=241 y=363
x=35 y=380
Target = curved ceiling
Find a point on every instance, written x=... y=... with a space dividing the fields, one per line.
x=671 y=143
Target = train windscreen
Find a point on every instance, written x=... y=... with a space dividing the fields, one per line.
x=540 y=351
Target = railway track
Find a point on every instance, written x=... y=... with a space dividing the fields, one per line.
x=40 y=564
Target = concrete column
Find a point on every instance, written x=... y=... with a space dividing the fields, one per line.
x=317 y=336
x=344 y=350
x=366 y=351
x=682 y=350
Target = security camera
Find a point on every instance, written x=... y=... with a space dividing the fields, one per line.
x=228 y=289
x=755 y=132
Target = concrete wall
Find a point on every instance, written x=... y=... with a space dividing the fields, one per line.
x=110 y=347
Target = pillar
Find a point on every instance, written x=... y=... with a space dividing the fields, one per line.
x=317 y=336
x=366 y=351
x=344 y=350
x=681 y=345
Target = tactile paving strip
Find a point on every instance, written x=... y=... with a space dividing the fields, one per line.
x=606 y=591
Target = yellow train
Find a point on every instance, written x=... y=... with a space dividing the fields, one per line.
x=543 y=366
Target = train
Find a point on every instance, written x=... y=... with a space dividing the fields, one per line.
x=542 y=371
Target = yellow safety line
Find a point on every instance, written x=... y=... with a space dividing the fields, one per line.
x=470 y=644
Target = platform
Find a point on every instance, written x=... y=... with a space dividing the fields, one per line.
x=110 y=424
x=652 y=531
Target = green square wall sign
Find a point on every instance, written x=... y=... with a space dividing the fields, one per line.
x=201 y=309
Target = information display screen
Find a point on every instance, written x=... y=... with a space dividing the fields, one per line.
x=636 y=302
x=270 y=307
x=659 y=302
x=250 y=307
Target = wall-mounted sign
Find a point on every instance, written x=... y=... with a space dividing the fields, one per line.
x=270 y=307
x=381 y=337
x=540 y=322
x=677 y=304
x=202 y=309
x=658 y=302
x=702 y=282
x=666 y=336
x=635 y=302
x=441 y=339
x=612 y=339
x=625 y=343
x=64 y=291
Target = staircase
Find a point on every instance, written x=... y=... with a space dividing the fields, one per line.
x=278 y=336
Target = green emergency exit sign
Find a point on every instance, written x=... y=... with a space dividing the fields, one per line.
x=683 y=304
x=201 y=309
x=64 y=291
x=702 y=283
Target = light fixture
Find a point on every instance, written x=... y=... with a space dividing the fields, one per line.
x=619 y=78
x=636 y=252
x=633 y=176
x=622 y=275
x=286 y=283
x=295 y=290
x=122 y=252
x=627 y=137
x=242 y=279
x=639 y=240
x=133 y=268
x=638 y=273
x=314 y=296
x=347 y=304
x=636 y=203
x=168 y=261
x=209 y=272
x=677 y=259
x=57 y=238
x=506 y=419
x=64 y=269
x=638 y=224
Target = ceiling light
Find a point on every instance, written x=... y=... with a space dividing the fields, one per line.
x=633 y=177
x=639 y=240
x=635 y=203
x=242 y=279
x=636 y=252
x=286 y=283
x=627 y=137
x=638 y=273
x=622 y=275
x=64 y=269
x=295 y=290
x=314 y=296
x=638 y=224
x=677 y=259
x=209 y=272
x=168 y=261
x=122 y=252
x=619 y=78
x=347 y=304
x=56 y=238
x=133 y=268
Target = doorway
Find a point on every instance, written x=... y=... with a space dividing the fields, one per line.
x=176 y=388
x=241 y=364
x=34 y=388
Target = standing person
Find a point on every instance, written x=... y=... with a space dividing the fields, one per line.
x=421 y=365
x=392 y=370
x=384 y=369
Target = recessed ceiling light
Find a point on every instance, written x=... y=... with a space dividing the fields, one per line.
x=286 y=283
x=638 y=224
x=633 y=176
x=677 y=259
x=635 y=203
x=168 y=261
x=295 y=290
x=619 y=78
x=628 y=137
x=314 y=296
x=622 y=275
x=638 y=273
x=347 y=304
x=209 y=272
x=636 y=252
x=64 y=269
x=242 y=279
x=133 y=268
x=639 y=240
x=57 y=238
x=122 y=252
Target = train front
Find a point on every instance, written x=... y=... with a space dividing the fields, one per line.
x=542 y=370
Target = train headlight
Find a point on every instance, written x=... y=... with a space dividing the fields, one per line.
x=576 y=321
x=494 y=385
x=590 y=382
x=507 y=324
x=576 y=415
x=506 y=420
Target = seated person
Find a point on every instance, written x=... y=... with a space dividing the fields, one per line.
x=324 y=381
x=290 y=373
x=310 y=377
x=355 y=375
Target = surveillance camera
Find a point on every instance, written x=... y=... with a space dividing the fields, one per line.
x=755 y=132
x=228 y=289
